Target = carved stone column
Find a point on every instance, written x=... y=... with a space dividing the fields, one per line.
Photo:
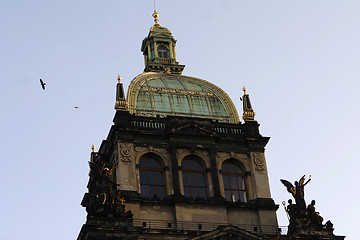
x=175 y=173
x=214 y=174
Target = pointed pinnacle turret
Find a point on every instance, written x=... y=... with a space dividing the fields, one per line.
x=92 y=155
x=248 y=112
x=121 y=103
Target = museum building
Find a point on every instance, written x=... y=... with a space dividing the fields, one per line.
x=178 y=163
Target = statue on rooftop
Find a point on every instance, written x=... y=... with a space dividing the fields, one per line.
x=297 y=191
x=303 y=219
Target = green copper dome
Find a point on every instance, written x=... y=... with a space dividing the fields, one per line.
x=162 y=94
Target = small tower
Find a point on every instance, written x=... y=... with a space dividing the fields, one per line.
x=121 y=104
x=248 y=112
x=159 y=50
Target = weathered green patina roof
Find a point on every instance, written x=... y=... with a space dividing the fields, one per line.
x=162 y=94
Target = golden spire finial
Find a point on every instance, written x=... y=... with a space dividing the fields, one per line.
x=244 y=89
x=119 y=78
x=155 y=15
x=93 y=148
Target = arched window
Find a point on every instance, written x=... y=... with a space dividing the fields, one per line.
x=193 y=174
x=234 y=181
x=163 y=51
x=151 y=177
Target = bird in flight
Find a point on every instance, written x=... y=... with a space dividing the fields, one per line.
x=42 y=84
x=76 y=107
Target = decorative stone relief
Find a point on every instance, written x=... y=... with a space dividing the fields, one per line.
x=202 y=153
x=242 y=156
x=137 y=149
x=179 y=151
x=259 y=162
x=220 y=154
x=151 y=148
x=126 y=150
x=232 y=155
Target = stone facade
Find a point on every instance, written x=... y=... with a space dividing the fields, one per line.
x=177 y=162
x=132 y=137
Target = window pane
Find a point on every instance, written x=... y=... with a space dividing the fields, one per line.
x=233 y=183
x=152 y=191
x=144 y=191
x=231 y=168
x=200 y=105
x=235 y=195
x=191 y=164
x=160 y=192
x=144 y=101
x=237 y=169
x=193 y=179
x=181 y=103
x=187 y=191
x=143 y=179
x=226 y=182
x=241 y=183
x=201 y=180
x=217 y=107
x=227 y=195
x=156 y=164
x=202 y=193
x=197 y=166
x=161 y=102
x=159 y=178
x=151 y=177
x=184 y=164
x=185 y=178
x=194 y=192
x=142 y=163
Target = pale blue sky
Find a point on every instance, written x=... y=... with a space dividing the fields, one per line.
x=298 y=59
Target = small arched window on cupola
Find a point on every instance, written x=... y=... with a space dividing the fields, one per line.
x=163 y=51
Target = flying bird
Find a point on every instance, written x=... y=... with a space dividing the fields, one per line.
x=76 y=107
x=42 y=84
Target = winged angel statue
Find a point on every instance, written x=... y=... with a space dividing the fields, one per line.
x=297 y=191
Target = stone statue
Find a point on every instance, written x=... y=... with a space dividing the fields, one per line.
x=297 y=191
x=315 y=218
x=103 y=198
x=302 y=219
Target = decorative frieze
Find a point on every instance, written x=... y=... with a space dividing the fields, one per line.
x=125 y=150
x=241 y=156
x=259 y=162
x=175 y=91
